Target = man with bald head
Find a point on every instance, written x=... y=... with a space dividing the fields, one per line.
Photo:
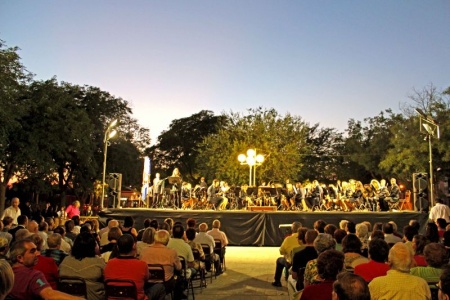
x=13 y=211
x=104 y=236
x=204 y=238
x=399 y=283
x=158 y=253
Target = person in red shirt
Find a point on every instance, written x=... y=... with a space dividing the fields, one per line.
x=377 y=266
x=329 y=264
x=46 y=265
x=127 y=266
x=29 y=283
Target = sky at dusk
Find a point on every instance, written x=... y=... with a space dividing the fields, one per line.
x=325 y=61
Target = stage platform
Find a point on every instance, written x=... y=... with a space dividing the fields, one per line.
x=261 y=228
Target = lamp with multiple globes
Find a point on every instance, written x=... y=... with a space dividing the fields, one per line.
x=252 y=160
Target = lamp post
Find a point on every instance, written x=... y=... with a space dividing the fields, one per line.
x=109 y=133
x=252 y=160
x=431 y=127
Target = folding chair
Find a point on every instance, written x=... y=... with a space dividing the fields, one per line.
x=120 y=289
x=200 y=271
x=186 y=276
x=72 y=285
x=209 y=259
x=158 y=275
x=218 y=250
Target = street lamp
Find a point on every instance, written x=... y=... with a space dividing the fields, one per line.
x=252 y=160
x=109 y=133
x=431 y=127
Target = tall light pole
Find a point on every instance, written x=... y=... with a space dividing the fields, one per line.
x=252 y=160
x=431 y=127
x=109 y=133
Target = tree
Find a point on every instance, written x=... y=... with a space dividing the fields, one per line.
x=178 y=146
x=409 y=151
x=13 y=78
x=321 y=159
x=279 y=138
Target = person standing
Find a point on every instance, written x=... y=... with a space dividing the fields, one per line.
x=13 y=211
x=440 y=210
x=73 y=210
x=156 y=189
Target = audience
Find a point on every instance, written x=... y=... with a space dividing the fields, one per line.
x=389 y=237
x=148 y=238
x=6 y=278
x=203 y=238
x=436 y=257
x=289 y=243
x=23 y=258
x=377 y=266
x=419 y=242
x=300 y=259
x=398 y=283
x=444 y=284
x=126 y=266
x=84 y=263
x=128 y=227
x=158 y=253
x=45 y=264
x=351 y=246
x=54 y=248
x=350 y=286
x=432 y=233
x=322 y=243
x=329 y=264
x=217 y=234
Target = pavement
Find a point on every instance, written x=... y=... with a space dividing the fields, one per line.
x=249 y=274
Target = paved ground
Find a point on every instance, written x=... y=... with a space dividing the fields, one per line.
x=248 y=276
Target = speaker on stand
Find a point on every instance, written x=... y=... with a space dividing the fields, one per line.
x=420 y=191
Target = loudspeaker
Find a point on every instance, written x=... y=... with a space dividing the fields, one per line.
x=262 y=208
x=420 y=191
x=115 y=187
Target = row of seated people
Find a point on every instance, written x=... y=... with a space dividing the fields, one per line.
x=388 y=259
x=84 y=260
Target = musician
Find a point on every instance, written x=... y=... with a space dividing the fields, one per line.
x=214 y=194
x=176 y=188
x=224 y=190
x=156 y=190
x=203 y=183
x=382 y=193
x=394 y=192
x=299 y=195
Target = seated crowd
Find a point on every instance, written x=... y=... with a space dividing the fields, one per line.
x=35 y=256
x=356 y=262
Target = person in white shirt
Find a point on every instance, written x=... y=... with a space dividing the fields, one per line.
x=205 y=239
x=13 y=211
x=440 y=210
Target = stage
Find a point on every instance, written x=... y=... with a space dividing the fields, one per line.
x=261 y=228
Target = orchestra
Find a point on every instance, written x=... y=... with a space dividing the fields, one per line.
x=346 y=196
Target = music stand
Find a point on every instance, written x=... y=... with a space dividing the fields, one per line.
x=272 y=192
